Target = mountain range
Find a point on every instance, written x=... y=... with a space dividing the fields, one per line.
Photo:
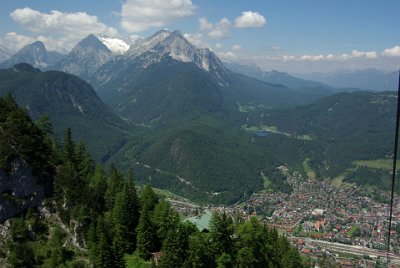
x=370 y=79
x=184 y=121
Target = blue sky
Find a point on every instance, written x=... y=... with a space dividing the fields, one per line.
x=298 y=36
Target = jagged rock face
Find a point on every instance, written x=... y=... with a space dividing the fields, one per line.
x=34 y=54
x=163 y=43
x=86 y=58
x=19 y=190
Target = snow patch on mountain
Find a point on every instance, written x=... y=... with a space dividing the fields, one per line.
x=117 y=46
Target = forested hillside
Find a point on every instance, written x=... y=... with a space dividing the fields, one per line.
x=68 y=102
x=337 y=135
x=93 y=215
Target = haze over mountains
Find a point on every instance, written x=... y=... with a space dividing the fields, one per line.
x=185 y=121
x=370 y=79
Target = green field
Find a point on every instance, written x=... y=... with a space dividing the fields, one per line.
x=310 y=172
x=376 y=164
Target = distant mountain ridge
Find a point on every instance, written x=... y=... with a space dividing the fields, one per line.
x=273 y=77
x=371 y=79
x=35 y=54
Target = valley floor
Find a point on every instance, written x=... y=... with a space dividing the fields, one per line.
x=343 y=223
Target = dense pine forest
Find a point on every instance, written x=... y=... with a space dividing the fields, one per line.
x=96 y=216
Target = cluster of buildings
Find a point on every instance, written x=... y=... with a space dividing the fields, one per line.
x=322 y=220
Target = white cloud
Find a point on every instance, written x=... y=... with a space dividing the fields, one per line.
x=312 y=57
x=197 y=39
x=392 y=52
x=204 y=24
x=227 y=56
x=218 y=45
x=362 y=54
x=288 y=58
x=58 y=30
x=220 y=30
x=250 y=19
x=355 y=55
x=15 y=41
x=236 y=47
x=56 y=22
x=140 y=15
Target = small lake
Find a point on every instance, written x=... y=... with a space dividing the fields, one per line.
x=261 y=133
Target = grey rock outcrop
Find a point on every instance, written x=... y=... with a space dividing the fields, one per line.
x=19 y=190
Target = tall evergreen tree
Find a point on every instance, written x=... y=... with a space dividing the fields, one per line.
x=222 y=231
x=69 y=149
x=200 y=253
x=97 y=190
x=165 y=218
x=146 y=235
x=175 y=248
x=104 y=252
x=126 y=217
x=85 y=163
x=148 y=198
x=115 y=183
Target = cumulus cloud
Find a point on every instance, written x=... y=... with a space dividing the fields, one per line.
x=56 y=22
x=58 y=30
x=204 y=24
x=218 y=45
x=228 y=56
x=15 y=41
x=220 y=30
x=362 y=54
x=140 y=15
x=197 y=39
x=312 y=57
x=250 y=19
x=392 y=52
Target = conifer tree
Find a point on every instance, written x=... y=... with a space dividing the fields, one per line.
x=114 y=186
x=146 y=235
x=222 y=231
x=175 y=248
x=200 y=254
x=69 y=149
x=85 y=163
x=148 y=198
x=165 y=218
x=104 y=252
x=126 y=217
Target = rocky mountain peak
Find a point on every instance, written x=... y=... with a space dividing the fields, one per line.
x=34 y=54
x=147 y=44
x=90 y=42
x=86 y=57
x=175 y=45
